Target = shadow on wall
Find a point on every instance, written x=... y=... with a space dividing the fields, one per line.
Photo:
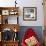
x=37 y=29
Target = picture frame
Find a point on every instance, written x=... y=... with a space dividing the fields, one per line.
x=30 y=13
x=5 y=12
x=13 y=12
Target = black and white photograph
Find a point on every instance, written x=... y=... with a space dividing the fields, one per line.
x=30 y=13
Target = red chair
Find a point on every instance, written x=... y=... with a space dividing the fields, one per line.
x=29 y=33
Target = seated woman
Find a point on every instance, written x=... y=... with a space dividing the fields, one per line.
x=30 y=38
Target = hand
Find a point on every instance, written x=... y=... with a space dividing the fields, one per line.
x=32 y=41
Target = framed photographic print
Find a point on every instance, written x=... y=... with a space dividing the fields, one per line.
x=30 y=13
x=5 y=12
x=13 y=12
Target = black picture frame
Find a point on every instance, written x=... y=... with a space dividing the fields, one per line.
x=29 y=13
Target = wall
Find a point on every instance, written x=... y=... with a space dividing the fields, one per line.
x=26 y=3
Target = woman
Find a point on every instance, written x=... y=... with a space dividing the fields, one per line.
x=30 y=38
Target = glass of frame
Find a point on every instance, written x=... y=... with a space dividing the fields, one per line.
x=29 y=13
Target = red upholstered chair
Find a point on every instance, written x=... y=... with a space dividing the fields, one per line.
x=28 y=34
